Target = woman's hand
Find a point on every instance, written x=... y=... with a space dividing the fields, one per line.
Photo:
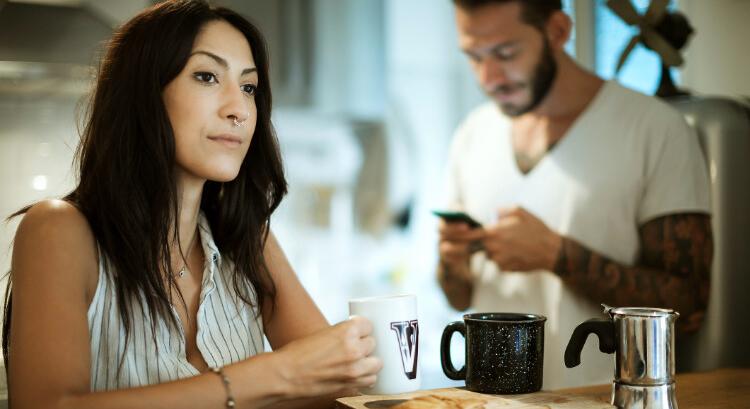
x=332 y=360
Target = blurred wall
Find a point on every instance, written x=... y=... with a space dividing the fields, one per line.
x=717 y=63
x=717 y=56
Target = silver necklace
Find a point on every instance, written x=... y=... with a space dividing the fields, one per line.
x=184 y=269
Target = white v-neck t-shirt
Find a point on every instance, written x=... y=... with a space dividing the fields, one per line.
x=627 y=159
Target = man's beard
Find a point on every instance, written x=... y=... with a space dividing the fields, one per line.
x=544 y=75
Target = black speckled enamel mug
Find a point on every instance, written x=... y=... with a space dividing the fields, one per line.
x=504 y=352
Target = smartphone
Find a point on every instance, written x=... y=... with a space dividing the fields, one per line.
x=456 y=217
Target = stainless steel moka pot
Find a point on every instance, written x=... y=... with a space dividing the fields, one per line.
x=643 y=342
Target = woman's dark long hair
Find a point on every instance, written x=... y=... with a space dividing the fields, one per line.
x=126 y=166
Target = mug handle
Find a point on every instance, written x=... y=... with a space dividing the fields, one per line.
x=445 y=351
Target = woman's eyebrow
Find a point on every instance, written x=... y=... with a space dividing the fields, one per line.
x=222 y=61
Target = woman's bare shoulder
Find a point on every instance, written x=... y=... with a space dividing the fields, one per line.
x=55 y=237
x=57 y=220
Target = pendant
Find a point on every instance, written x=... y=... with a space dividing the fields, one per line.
x=181 y=273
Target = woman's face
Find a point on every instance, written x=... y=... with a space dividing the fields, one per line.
x=211 y=104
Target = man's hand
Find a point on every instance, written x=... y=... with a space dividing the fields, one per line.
x=519 y=241
x=457 y=243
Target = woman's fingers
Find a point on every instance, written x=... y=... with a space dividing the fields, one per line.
x=366 y=382
x=348 y=388
x=355 y=327
x=370 y=365
x=368 y=345
x=351 y=371
x=363 y=368
x=336 y=358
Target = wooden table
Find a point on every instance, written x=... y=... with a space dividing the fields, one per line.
x=723 y=388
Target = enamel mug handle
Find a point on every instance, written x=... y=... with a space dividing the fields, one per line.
x=445 y=351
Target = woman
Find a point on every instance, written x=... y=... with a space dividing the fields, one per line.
x=152 y=283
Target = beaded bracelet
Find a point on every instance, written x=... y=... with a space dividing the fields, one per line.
x=224 y=379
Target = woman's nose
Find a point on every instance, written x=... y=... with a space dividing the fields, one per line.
x=235 y=105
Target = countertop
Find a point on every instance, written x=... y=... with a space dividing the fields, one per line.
x=722 y=388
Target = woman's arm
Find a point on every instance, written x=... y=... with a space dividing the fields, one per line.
x=294 y=314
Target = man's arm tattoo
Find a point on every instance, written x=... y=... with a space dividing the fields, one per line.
x=673 y=270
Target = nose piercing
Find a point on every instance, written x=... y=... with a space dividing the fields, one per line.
x=237 y=122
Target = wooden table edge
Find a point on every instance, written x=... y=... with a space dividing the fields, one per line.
x=694 y=389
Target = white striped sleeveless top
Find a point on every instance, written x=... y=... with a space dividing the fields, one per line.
x=228 y=330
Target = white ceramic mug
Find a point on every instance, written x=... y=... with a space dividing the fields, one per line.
x=396 y=333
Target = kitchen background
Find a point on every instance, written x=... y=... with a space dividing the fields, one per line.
x=367 y=94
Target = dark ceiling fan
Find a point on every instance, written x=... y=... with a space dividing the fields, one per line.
x=663 y=31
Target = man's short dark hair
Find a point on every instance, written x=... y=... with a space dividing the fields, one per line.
x=533 y=12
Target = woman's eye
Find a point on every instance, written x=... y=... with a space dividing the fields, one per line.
x=206 y=77
x=249 y=89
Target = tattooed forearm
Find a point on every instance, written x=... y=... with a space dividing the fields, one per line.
x=673 y=269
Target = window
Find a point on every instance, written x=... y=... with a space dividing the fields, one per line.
x=642 y=68
x=569 y=9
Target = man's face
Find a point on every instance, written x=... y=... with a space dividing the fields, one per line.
x=512 y=60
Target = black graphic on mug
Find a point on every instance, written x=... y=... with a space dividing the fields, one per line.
x=407 y=335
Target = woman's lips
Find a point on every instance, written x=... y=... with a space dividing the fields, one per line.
x=230 y=141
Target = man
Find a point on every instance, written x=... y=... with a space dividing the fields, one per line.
x=589 y=193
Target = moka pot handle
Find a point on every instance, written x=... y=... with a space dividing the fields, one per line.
x=603 y=328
